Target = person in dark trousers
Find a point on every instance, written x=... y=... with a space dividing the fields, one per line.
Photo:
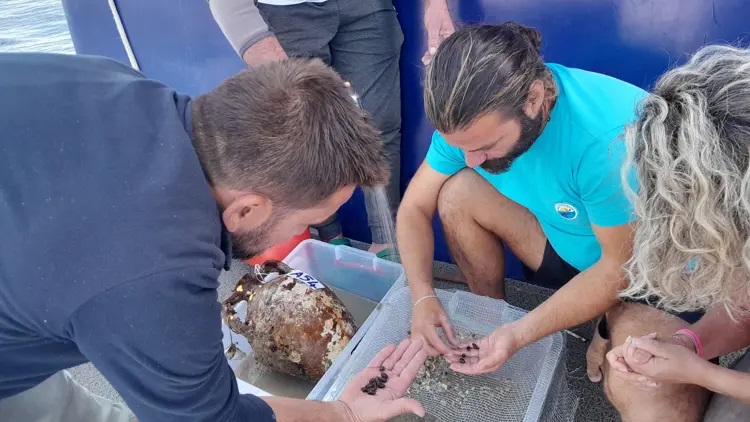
x=361 y=40
x=122 y=200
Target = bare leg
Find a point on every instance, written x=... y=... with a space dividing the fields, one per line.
x=666 y=403
x=596 y=355
x=477 y=221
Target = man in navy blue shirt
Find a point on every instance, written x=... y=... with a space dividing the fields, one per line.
x=122 y=200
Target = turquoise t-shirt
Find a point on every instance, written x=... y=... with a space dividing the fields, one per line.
x=570 y=177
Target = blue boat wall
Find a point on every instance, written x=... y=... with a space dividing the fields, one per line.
x=177 y=42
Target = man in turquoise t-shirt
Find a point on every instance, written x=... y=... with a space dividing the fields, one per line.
x=569 y=178
x=527 y=155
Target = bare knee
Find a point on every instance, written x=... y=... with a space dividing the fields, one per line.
x=635 y=319
x=455 y=195
x=666 y=403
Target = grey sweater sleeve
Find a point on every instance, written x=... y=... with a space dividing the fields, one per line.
x=240 y=21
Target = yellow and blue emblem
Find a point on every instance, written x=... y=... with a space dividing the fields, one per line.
x=566 y=211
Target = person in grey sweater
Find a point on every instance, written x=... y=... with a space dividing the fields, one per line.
x=361 y=40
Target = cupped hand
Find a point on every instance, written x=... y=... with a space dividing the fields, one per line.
x=627 y=359
x=620 y=368
x=427 y=316
x=492 y=352
x=401 y=364
x=662 y=361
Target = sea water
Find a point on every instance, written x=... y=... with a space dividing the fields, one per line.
x=34 y=26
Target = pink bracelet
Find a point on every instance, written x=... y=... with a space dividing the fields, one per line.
x=694 y=337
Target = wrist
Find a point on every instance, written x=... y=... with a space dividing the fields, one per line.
x=435 y=4
x=697 y=346
x=530 y=328
x=685 y=341
x=420 y=291
x=519 y=333
x=344 y=412
x=424 y=299
x=699 y=372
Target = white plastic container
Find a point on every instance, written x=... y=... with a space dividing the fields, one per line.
x=346 y=268
x=356 y=276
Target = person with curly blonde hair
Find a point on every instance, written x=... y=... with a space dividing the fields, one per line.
x=690 y=148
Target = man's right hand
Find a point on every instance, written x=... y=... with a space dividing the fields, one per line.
x=264 y=51
x=427 y=316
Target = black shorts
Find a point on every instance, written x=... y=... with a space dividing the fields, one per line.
x=555 y=272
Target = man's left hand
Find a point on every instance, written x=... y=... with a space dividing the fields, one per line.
x=401 y=364
x=494 y=350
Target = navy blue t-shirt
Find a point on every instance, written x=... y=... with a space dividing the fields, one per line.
x=111 y=240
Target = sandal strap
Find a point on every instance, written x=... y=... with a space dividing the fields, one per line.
x=389 y=254
x=342 y=241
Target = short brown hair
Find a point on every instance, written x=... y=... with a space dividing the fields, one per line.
x=288 y=130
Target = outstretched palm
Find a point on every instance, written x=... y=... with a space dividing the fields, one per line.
x=401 y=364
x=491 y=353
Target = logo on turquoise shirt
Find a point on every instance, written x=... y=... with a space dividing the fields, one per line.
x=566 y=211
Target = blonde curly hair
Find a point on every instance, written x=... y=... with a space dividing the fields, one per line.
x=690 y=150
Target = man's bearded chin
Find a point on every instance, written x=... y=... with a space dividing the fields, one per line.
x=248 y=244
x=530 y=131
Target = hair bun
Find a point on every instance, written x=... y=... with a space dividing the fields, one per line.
x=532 y=35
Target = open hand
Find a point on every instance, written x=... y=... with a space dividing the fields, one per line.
x=401 y=365
x=439 y=25
x=494 y=350
x=427 y=316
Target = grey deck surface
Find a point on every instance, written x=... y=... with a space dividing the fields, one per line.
x=592 y=406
